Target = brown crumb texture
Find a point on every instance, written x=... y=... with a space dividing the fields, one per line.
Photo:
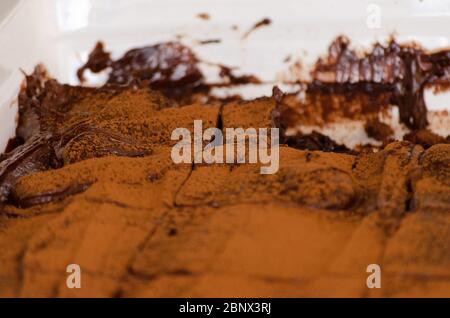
x=247 y=114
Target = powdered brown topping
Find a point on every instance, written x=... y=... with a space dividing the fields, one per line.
x=94 y=184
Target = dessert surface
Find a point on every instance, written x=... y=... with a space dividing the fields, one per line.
x=89 y=180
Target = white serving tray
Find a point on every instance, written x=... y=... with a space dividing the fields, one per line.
x=60 y=33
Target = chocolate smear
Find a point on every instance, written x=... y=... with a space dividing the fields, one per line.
x=210 y=41
x=170 y=67
x=399 y=72
x=203 y=16
x=36 y=155
x=12 y=144
x=98 y=60
x=263 y=22
x=378 y=130
x=227 y=72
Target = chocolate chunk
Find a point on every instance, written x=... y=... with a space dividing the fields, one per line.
x=378 y=130
x=315 y=141
x=170 y=67
x=425 y=137
x=98 y=60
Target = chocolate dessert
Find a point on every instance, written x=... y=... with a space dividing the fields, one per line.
x=391 y=74
x=89 y=180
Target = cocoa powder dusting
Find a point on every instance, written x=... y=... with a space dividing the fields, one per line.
x=426 y=138
x=92 y=182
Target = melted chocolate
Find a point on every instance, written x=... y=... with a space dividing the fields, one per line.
x=12 y=144
x=350 y=100
x=315 y=141
x=170 y=67
x=227 y=72
x=283 y=116
x=378 y=130
x=263 y=22
x=36 y=155
x=399 y=72
x=43 y=131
